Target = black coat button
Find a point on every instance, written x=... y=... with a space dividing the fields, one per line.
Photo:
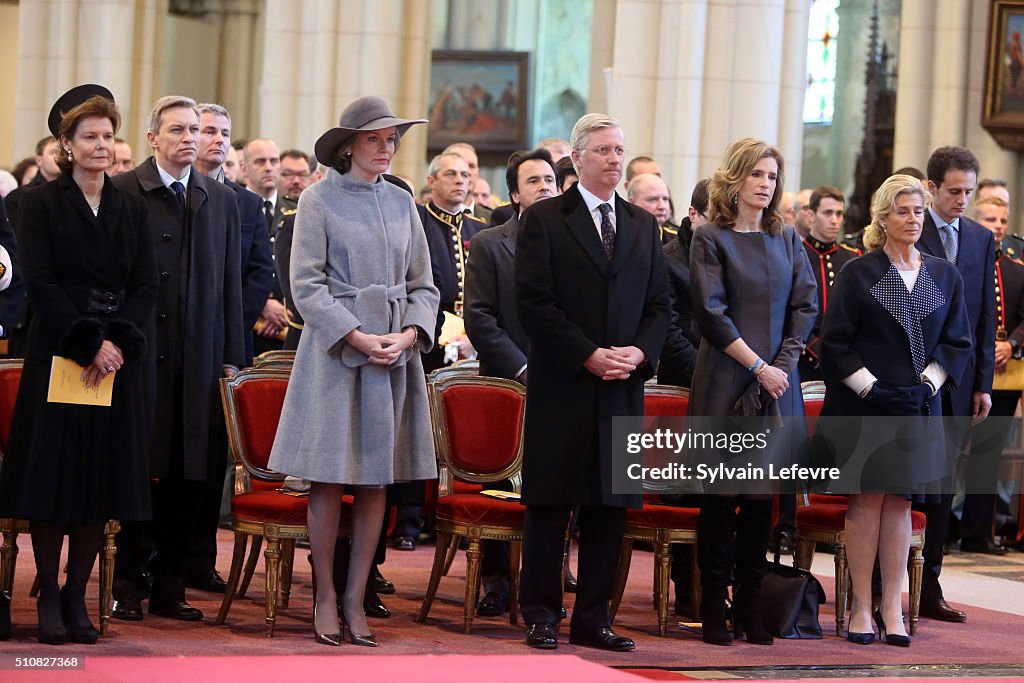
x=164 y=275
x=161 y=358
x=166 y=237
x=162 y=317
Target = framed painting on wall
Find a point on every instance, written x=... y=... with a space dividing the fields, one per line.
x=1003 y=102
x=479 y=98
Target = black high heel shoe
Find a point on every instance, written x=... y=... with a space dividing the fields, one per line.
x=76 y=618
x=746 y=621
x=326 y=638
x=366 y=640
x=890 y=638
x=861 y=638
x=714 y=629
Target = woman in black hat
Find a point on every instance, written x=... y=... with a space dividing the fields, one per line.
x=356 y=411
x=88 y=263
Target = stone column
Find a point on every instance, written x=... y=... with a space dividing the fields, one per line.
x=320 y=56
x=117 y=43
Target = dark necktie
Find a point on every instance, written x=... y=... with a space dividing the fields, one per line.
x=268 y=213
x=179 y=195
x=607 y=231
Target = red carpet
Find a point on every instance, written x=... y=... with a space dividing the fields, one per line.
x=988 y=636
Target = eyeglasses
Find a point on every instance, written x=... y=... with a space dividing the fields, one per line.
x=294 y=174
x=603 y=151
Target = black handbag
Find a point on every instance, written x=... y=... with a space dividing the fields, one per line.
x=790 y=598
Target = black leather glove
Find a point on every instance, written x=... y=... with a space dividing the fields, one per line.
x=893 y=400
x=789 y=354
x=922 y=393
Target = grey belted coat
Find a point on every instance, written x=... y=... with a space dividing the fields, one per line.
x=359 y=260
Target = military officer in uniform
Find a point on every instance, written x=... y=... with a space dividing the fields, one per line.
x=649 y=191
x=827 y=256
x=989 y=437
x=1010 y=244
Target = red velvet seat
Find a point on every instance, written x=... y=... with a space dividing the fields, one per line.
x=10 y=380
x=478 y=426
x=252 y=402
x=662 y=525
x=828 y=499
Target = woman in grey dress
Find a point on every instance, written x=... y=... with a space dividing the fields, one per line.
x=754 y=300
x=356 y=410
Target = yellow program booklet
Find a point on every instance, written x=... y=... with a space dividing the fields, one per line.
x=66 y=385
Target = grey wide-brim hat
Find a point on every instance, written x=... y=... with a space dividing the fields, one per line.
x=366 y=113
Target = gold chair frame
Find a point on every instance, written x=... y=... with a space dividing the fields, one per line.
x=286 y=356
x=449 y=531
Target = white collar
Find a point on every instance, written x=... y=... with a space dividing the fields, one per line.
x=593 y=201
x=167 y=179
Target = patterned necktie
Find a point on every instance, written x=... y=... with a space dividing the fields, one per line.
x=607 y=231
x=949 y=244
x=179 y=194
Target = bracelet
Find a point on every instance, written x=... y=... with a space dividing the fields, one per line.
x=756 y=366
x=760 y=370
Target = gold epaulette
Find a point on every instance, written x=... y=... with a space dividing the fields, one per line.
x=289 y=212
x=503 y=204
x=849 y=248
x=474 y=218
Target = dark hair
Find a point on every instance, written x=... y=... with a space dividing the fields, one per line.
x=299 y=154
x=632 y=162
x=989 y=182
x=41 y=145
x=945 y=158
x=22 y=167
x=564 y=168
x=699 y=198
x=239 y=144
x=95 y=106
x=517 y=159
x=823 y=192
x=910 y=171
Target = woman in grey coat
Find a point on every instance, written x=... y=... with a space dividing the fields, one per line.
x=356 y=410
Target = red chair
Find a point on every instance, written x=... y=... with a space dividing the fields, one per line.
x=478 y=427
x=662 y=525
x=10 y=379
x=252 y=402
x=821 y=518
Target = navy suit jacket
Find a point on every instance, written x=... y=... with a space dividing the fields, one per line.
x=257 y=263
x=976 y=263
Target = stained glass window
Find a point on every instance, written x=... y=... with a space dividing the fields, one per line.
x=822 y=31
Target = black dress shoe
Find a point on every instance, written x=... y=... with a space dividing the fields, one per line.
x=940 y=609
x=564 y=614
x=603 y=639
x=176 y=609
x=986 y=546
x=211 y=582
x=378 y=584
x=570 y=583
x=542 y=636
x=494 y=604
x=373 y=607
x=404 y=543
x=128 y=609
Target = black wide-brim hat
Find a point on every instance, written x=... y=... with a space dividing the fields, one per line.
x=71 y=99
x=366 y=113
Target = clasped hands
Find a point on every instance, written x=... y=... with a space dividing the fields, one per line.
x=890 y=398
x=616 y=362
x=107 y=360
x=382 y=349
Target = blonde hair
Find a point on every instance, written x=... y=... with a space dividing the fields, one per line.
x=740 y=159
x=885 y=197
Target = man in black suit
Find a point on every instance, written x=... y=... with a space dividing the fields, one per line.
x=492 y=322
x=989 y=437
x=257 y=262
x=948 y=233
x=199 y=339
x=257 y=270
x=593 y=300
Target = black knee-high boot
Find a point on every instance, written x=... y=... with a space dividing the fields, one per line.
x=714 y=552
x=83 y=545
x=752 y=534
x=47 y=540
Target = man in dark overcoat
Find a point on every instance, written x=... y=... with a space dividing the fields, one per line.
x=199 y=338
x=948 y=233
x=593 y=300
